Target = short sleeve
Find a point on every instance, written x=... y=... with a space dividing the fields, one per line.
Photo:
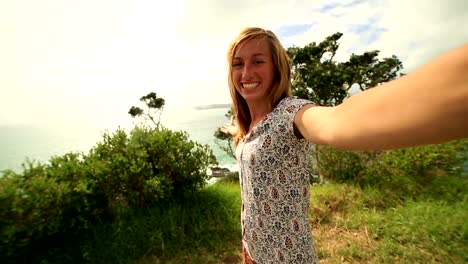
x=288 y=108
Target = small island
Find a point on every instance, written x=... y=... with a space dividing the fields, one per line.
x=212 y=106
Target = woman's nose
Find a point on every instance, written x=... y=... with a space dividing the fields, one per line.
x=247 y=72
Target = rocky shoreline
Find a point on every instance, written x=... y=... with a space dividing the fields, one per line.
x=218 y=172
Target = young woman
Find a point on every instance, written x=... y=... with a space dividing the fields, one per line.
x=274 y=132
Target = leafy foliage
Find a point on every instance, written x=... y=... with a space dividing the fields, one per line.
x=317 y=77
x=37 y=205
x=397 y=173
x=221 y=137
x=74 y=191
x=154 y=106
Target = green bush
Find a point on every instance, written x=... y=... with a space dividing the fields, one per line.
x=71 y=192
x=148 y=165
x=35 y=205
x=396 y=172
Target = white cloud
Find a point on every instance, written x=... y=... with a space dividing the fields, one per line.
x=415 y=31
x=418 y=31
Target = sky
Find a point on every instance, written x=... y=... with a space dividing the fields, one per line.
x=84 y=63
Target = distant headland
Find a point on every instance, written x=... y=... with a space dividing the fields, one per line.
x=212 y=106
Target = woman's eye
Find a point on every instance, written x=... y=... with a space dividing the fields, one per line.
x=259 y=62
x=237 y=64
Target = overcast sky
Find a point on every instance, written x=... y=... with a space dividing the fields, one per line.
x=86 y=62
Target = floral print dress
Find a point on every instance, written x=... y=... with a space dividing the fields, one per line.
x=275 y=185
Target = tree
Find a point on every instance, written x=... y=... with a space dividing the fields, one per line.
x=221 y=137
x=317 y=77
x=154 y=104
x=173 y=159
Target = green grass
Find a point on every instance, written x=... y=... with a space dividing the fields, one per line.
x=355 y=226
x=424 y=232
x=199 y=227
x=203 y=228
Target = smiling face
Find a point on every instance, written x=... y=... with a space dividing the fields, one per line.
x=259 y=75
x=252 y=70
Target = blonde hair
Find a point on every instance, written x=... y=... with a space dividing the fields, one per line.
x=281 y=87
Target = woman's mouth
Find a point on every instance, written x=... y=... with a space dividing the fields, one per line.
x=250 y=85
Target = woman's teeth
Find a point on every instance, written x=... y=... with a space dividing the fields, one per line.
x=250 y=85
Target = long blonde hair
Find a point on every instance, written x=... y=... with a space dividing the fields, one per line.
x=281 y=87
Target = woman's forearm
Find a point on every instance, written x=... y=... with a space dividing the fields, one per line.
x=429 y=105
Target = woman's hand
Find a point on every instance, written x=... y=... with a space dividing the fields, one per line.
x=230 y=129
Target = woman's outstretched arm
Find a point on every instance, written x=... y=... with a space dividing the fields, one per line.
x=427 y=106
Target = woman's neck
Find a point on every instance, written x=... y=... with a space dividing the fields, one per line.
x=258 y=113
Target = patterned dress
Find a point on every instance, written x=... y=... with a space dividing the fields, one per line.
x=274 y=183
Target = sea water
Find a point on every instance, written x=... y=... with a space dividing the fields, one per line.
x=39 y=143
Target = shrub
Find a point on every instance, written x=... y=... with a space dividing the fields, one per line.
x=74 y=191
x=395 y=172
x=149 y=165
x=35 y=205
x=172 y=158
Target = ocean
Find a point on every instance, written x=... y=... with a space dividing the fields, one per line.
x=39 y=143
